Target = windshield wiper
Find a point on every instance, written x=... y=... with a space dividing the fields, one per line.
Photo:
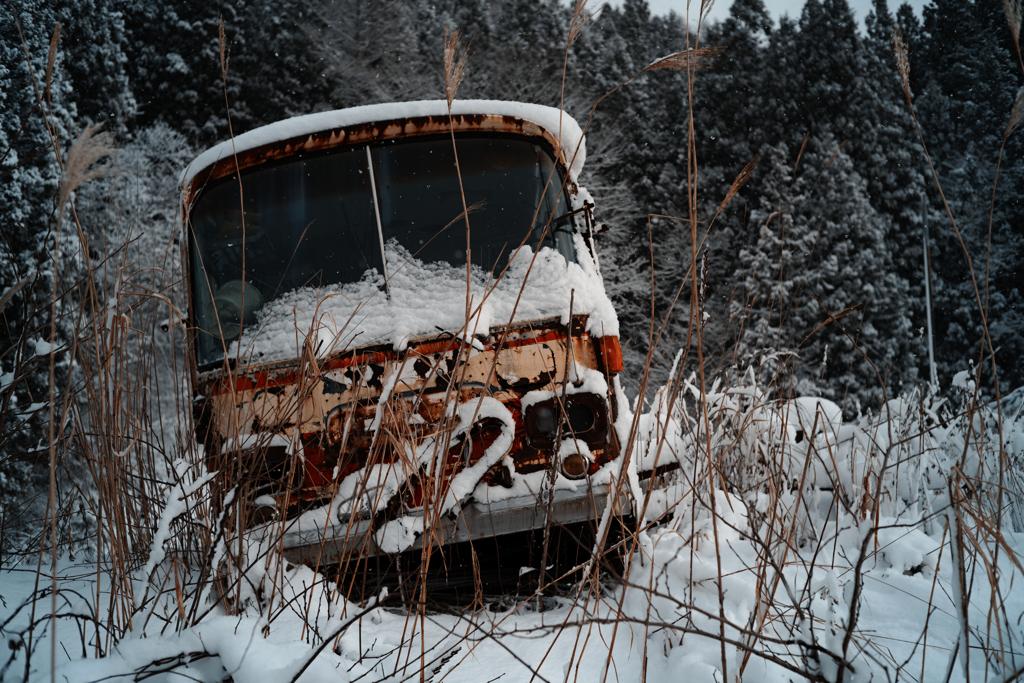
x=380 y=227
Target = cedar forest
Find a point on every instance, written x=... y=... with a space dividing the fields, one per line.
x=829 y=225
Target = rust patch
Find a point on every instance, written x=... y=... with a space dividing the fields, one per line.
x=333 y=414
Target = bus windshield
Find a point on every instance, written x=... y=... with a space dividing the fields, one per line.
x=323 y=220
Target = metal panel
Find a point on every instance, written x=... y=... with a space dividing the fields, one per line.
x=474 y=521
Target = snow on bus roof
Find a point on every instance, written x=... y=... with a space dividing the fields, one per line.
x=549 y=118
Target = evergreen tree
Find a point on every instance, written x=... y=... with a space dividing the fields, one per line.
x=784 y=85
x=604 y=62
x=529 y=50
x=370 y=52
x=770 y=88
x=652 y=112
x=36 y=120
x=973 y=76
x=820 y=256
x=731 y=130
x=730 y=98
x=176 y=70
x=94 y=41
x=887 y=154
x=827 y=52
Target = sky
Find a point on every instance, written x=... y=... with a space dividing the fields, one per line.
x=776 y=8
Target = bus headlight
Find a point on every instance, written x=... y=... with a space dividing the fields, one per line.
x=575 y=466
x=545 y=421
x=580 y=416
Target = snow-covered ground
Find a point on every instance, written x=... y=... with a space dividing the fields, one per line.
x=819 y=551
x=582 y=639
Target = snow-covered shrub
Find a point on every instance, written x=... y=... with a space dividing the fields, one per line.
x=757 y=493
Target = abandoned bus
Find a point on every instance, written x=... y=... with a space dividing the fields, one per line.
x=398 y=327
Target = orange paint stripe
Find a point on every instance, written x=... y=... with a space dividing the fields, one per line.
x=267 y=379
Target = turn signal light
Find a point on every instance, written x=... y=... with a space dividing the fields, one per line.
x=610 y=353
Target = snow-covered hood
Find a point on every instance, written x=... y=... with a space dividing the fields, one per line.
x=426 y=298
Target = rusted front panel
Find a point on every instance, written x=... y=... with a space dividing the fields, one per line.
x=370 y=407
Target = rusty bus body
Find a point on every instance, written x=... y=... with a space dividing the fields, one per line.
x=372 y=435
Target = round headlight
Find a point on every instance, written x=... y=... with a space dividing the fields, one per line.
x=575 y=466
x=546 y=421
x=581 y=417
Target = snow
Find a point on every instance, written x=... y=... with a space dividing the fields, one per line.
x=548 y=118
x=261 y=440
x=426 y=297
x=577 y=636
x=962 y=380
x=399 y=534
x=581 y=380
x=43 y=348
x=176 y=505
x=886 y=573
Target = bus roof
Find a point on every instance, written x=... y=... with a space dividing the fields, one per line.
x=380 y=121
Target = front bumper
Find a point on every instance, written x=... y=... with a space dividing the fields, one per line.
x=474 y=521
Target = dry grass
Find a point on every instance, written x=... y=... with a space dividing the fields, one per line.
x=581 y=17
x=1016 y=115
x=902 y=55
x=83 y=161
x=456 y=58
x=693 y=58
x=723 y=455
x=1013 y=17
